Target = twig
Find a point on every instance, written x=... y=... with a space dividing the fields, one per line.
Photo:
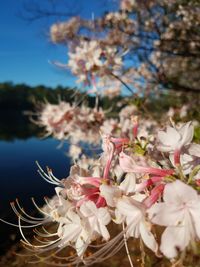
x=126 y=247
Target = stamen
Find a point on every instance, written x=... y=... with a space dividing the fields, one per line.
x=47 y=178
x=39 y=209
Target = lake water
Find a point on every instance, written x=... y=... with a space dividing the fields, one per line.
x=19 y=177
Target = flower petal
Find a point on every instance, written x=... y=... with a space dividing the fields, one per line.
x=174 y=239
x=128 y=185
x=179 y=193
x=187 y=132
x=148 y=237
x=166 y=215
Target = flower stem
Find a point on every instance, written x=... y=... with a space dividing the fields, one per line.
x=180 y=172
x=142 y=252
x=126 y=247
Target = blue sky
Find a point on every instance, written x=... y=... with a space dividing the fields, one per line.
x=25 y=50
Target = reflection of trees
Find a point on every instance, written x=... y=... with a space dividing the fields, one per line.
x=13 y=124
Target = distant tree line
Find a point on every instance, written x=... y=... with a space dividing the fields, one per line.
x=15 y=99
x=25 y=97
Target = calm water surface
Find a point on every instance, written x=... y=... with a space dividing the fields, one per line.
x=19 y=177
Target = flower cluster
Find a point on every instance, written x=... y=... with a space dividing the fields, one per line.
x=66 y=121
x=76 y=124
x=92 y=58
x=145 y=182
x=138 y=185
x=127 y=5
x=61 y=32
x=127 y=116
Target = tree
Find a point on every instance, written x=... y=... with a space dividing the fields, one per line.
x=147 y=45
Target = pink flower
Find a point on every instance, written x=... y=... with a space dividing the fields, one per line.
x=129 y=165
x=155 y=193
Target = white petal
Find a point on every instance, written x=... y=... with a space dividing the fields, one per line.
x=118 y=172
x=110 y=193
x=165 y=148
x=128 y=185
x=166 y=215
x=174 y=239
x=194 y=150
x=148 y=237
x=126 y=208
x=179 y=193
x=119 y=218
x=187 y=132
x=88 y=209
x=133 y=228
x=104 y=216
x=162 y=137
x=70 y=233
x=195 y=213
x=104 y=232
x=82 y=243
x=171 y=136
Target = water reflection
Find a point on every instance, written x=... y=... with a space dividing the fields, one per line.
x=19 y=177
x=20 y=147
x=15 y=125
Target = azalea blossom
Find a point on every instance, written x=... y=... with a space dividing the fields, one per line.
x=180 y=213
x=125 y=187
x=127 y=5
x=129 y=165
x=73 y=231
x=174 y=139
x=123 y=180
x=97 y=218
x=91 y=58
x=71 y=122
x=134 y=215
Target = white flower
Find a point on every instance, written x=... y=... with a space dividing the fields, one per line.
x=75 y=151
x=72 y=231
x=189 y=158
x=111 y=193
x=180 y=212
x=127 y=5
x=128 y=185
x=175 y=138
x=137 y=226
x=97 y=218
x=187 y=161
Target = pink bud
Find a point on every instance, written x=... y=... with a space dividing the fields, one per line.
x=154 y=195
x=177 y=153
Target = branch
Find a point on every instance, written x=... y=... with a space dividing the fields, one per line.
x=119 y=79
x=36 y=11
